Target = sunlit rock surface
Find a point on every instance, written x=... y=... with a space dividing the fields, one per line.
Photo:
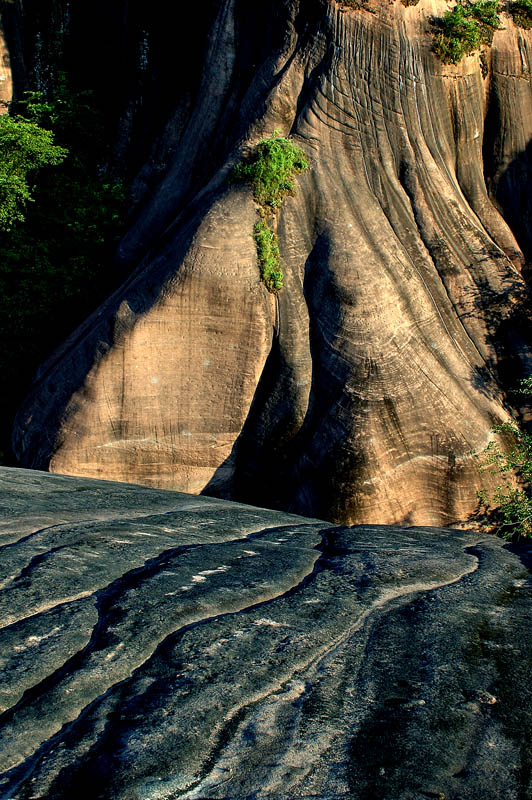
x=159 y=645
x=362 y=395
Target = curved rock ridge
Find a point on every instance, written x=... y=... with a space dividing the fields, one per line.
x=157 y=646
x=361 y=394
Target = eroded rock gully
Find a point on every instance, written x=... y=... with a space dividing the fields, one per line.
x=404 y=310
x=159 y=645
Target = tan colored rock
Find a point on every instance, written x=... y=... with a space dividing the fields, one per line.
x=403 y=313
x=6 y=78
x=170 y=394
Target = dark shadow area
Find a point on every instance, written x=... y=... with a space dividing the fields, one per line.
x=263 y=456
x=127 y=52
x=523 y=549
x=258 y=456
x=509 y=188
x=508 y=318
x=325 y=464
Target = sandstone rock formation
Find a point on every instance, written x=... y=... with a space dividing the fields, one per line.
x=159 y=645
x=360 y=395
x=6 y=83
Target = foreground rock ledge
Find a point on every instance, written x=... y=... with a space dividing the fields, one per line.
x=158 y=645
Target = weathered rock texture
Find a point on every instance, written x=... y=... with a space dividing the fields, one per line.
x=6 y=81
x=362 y=395
x=158 y=645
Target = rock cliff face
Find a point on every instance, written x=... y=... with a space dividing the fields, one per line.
x=6 y=83
x=360 y=395
x=158 y=645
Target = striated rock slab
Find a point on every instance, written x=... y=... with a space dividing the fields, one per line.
x=160 y=646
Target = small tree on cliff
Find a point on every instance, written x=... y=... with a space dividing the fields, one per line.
x=24 y=148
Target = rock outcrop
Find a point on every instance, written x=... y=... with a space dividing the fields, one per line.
x=360 y=395
x=159 y=645
x=6 y=81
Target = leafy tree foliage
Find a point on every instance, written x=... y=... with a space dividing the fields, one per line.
x=24 y=148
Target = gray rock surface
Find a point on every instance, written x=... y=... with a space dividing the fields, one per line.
x=158 y=646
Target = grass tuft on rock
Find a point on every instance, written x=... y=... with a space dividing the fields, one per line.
x=268 y=255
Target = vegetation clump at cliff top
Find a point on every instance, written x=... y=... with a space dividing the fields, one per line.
x=270 y=169
x=521 y=11
x=356 y=5
x=465 y=28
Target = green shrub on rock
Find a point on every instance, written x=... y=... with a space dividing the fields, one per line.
x=270 y=169
x=465 y=28
x=510 y=506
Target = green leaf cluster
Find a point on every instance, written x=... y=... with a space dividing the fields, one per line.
x=24 y=148
x=521 y=11
x=271 y=168
x=268 y=256
x=465 y=28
